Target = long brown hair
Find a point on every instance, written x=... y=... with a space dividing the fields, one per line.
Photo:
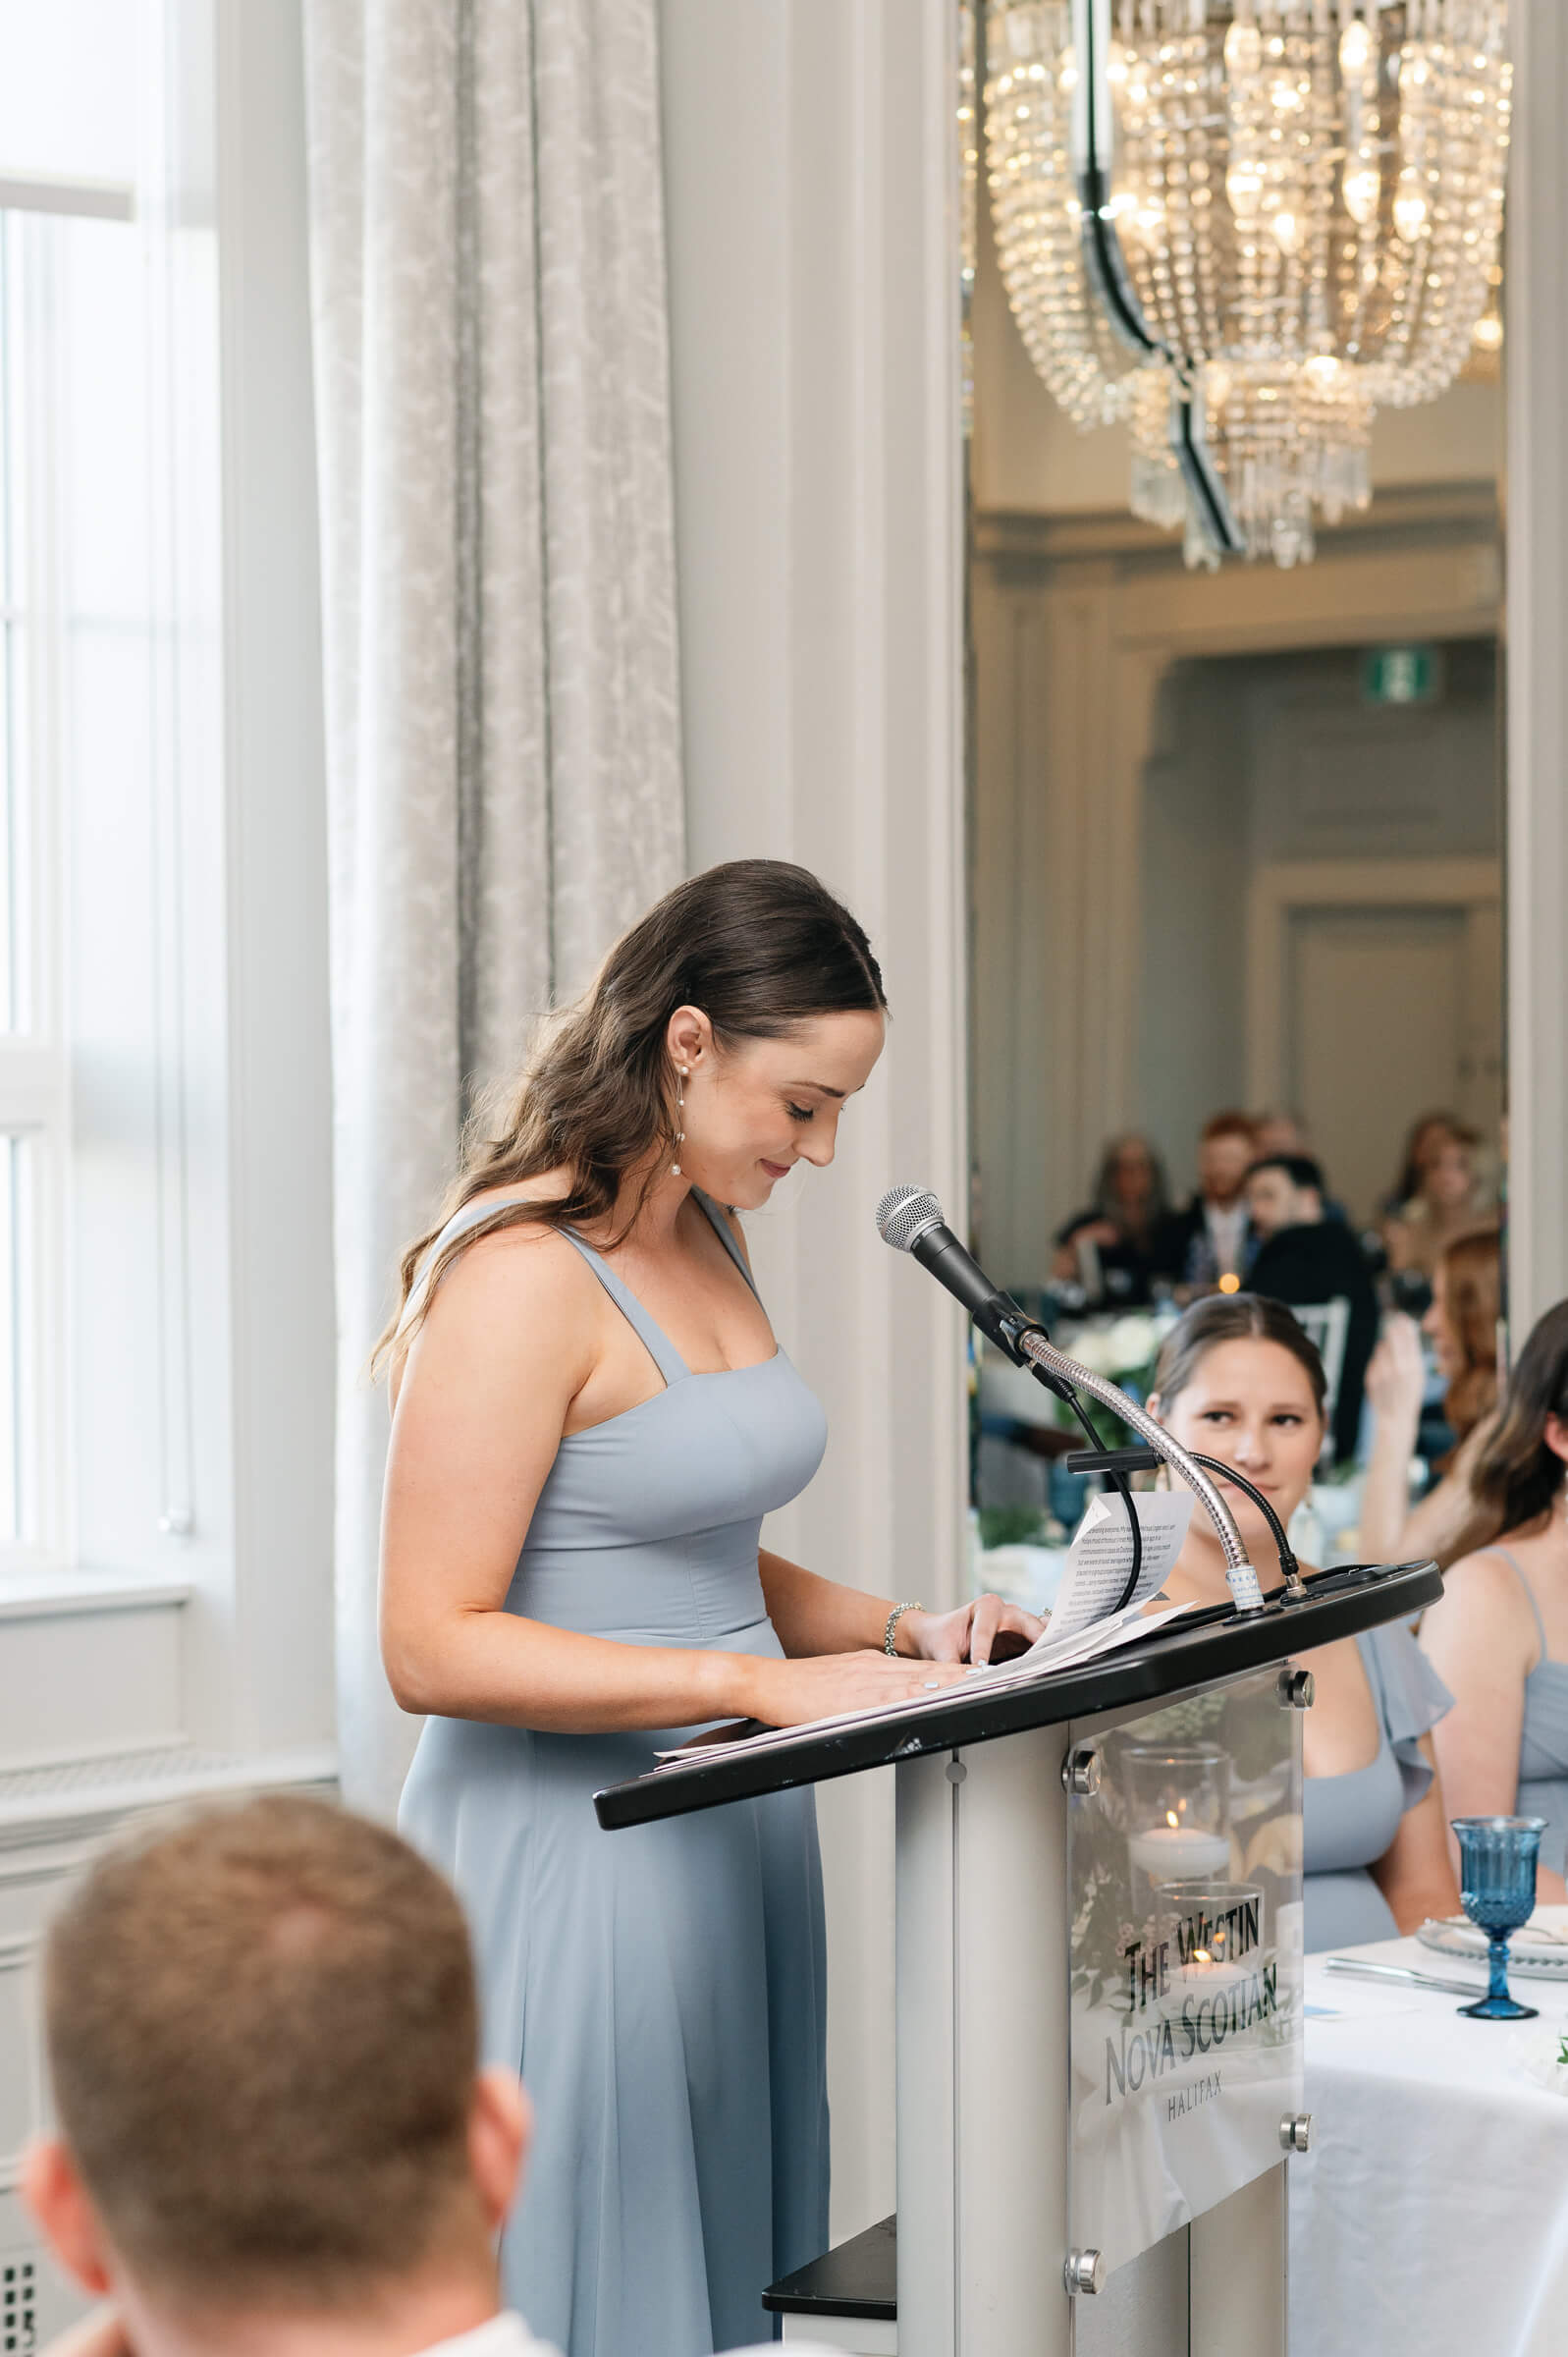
x=1413 y=1160
x=1233 y=1318
x=760 y=946
x=1517 y=1477
x=1470 y=1268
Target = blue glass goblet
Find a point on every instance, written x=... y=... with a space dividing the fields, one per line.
x=1497 y=1887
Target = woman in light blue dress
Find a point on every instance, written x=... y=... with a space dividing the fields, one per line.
x=1239 y=1381
x=1499 y=1634
x=592 y=1416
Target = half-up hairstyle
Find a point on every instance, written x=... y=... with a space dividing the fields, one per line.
x=758 y=945
x=1233 y=1318
x=1517 y=1478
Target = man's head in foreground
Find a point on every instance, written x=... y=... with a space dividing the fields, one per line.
x=273 y=2134
x=1284 y=1191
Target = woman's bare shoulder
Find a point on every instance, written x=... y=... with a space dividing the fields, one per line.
x=1484 y=1597
x=523 y=1275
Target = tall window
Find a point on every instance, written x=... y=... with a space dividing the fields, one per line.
x=101 y=674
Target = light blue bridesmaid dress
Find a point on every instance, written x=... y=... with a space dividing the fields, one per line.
x=662 y=1989
x=1350 y=1821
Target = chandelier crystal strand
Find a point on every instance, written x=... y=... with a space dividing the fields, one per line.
x=1309 y=197
x=1031 y=77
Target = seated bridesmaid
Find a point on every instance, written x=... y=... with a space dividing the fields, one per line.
x=1238 y=1381
x=1499 y=1636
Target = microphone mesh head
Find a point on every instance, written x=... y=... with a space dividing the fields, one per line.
x=904 y=1213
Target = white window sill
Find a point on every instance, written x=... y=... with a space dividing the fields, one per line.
x=41 y=1593
x=81 y=1797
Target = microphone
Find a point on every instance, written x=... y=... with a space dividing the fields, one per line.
x=909 y=1217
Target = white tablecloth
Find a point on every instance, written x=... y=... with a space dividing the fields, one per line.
x=1431 y=2218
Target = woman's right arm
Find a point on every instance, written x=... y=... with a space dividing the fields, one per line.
x=1395 y=1380
x=481 y=1406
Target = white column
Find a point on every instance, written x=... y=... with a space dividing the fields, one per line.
x=811 y=180
x=1536 y=369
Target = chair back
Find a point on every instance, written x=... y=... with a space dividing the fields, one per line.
x=1327 y=1325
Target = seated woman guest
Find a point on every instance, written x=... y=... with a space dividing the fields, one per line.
x=591 y=1418
x=1426 y=1133
x=1239 y=1381
x=1462 y=1327
x=1445 y=1204
x=1116 y=1232
x=1499 y=1637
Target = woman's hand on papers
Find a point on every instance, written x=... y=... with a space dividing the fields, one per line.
x=987 y=1630
x=822 y=1684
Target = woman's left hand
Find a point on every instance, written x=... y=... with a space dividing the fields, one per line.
x=971 y=1634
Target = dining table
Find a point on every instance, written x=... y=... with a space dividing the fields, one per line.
x=1429 y=2218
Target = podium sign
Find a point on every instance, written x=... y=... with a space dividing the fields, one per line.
x=1185 y=1879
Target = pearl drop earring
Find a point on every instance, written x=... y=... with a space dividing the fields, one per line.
x=680 y=1109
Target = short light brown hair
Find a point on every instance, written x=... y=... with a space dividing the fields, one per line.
x=262 y=2034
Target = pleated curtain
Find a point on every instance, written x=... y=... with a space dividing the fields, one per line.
x=502 y=715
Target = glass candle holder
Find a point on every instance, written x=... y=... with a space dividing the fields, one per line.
x=1216 y=1932
x=1178 y=1812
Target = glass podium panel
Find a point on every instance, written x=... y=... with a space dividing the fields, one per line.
x=1184 y=1870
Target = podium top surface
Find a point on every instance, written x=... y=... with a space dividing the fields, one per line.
x=1199 y=1651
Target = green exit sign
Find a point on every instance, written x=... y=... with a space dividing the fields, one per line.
x=1401 y=675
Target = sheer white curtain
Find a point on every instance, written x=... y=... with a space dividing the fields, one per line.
x=492 y=386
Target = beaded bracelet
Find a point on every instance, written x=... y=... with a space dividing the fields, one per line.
x=889 y=1635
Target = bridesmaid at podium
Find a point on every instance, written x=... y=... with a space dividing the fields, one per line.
x=591 y=1418
x=1239 y=1381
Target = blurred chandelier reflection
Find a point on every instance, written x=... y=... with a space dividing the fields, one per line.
x=1302 y=208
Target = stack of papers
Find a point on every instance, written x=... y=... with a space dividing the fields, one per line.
x=1082 y=1626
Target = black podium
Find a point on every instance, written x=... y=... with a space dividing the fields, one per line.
x=1098 y=1987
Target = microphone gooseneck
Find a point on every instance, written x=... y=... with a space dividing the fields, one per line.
x=909 y=1217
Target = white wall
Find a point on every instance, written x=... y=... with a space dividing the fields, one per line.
x=1537 y=679
x=809 y=171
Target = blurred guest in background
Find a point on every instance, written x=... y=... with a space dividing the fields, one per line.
x=1210 y=1243
x=1422 y=1140
x=1278 y=1130
x=1109 y=1250
x=1239 y=1380
x=1308 y=1260
x=1443 y=1206
x=1498 y=1635
x=1461 y=1326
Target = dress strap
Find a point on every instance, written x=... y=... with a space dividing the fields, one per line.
x=726 y=1235
x=1512 y=1561
x=471 y=1215
x=660 y=1348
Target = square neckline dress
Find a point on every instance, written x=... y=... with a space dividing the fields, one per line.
x=663 y=1990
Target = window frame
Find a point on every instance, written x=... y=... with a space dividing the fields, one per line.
x=247 y=1344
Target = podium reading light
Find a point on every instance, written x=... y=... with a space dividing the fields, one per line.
x=909 y=1217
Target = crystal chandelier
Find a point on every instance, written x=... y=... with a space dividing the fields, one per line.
x=1241 y=229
